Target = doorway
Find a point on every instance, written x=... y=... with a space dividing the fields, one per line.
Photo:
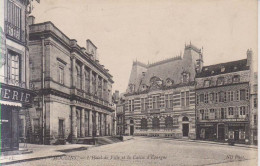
x=131 y=130
x=221 y=132
x=61 y=128
x=185 y=130
x=236 y=135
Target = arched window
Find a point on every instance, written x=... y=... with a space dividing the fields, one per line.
x=185 y=118
x=78 y=83
x=156 y=123
x=168 y=122
x=143 y=123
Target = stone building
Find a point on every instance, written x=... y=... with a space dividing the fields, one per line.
x=120 y=113
x=16 y=97
x=160 y=98
x=222 y=102
x=75 y=90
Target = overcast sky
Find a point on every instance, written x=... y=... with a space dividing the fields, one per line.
x=152 y=30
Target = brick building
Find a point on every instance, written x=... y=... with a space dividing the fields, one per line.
x=16 y=96
x=160 y=98
x=223 y=101
x=74 y=100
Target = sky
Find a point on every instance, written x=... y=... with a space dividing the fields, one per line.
x=152 y=30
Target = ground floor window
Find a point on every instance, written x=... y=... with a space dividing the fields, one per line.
x=156 y=123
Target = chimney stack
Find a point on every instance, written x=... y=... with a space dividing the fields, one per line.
x=249 y=54
x=31 y=20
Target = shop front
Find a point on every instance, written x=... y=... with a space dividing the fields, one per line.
x=237 y=131
x=13 y=99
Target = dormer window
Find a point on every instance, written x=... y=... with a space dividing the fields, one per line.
x=185 y=77
x=206 y=83
x=220 y=81
x=132 y=88
x=169 y=82
x=235 y=68
x=236 y=78
x=206 y=69
x=223 y=69
x=212 y=72
x=143 y=87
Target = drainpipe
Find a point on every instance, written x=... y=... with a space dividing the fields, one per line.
x=43 y=86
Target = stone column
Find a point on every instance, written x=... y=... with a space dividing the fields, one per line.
x=90 y=123
x=73 y=124
x=83 y=77
x=97 y=124
x=102 y=124
x=82 y=123
x=73 y=69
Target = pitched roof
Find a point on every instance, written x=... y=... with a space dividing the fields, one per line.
x=223 y=68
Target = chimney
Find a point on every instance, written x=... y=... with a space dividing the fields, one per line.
x=249 y=54
x=31 y=20
x=92 y=49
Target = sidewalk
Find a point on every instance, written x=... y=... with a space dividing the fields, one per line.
x=41 y=152
x=207 y=142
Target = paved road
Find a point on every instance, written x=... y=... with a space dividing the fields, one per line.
x=155 y=152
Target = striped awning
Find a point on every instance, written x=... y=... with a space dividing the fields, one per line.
x=9 y=103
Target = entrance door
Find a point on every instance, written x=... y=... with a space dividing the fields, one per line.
x=221 y=132
x=236 y=135
x=131 y=130
x=61 y=128
x=185 y=130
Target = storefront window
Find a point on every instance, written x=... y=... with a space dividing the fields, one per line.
x=231 y=134
x=241 y=134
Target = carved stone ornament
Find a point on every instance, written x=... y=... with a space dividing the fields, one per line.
x=2 y=48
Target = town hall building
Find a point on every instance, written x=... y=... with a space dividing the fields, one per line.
x=160 y=97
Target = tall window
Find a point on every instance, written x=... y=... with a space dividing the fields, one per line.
x=206 y=114
x=78 y=84
x=13 y=67
x=168 y=122
x=143 y=123
x=61 y=74
x=94 y=84
x=206 y=98
x=13 y=24
x=237 y=95
x=155 y=123
x=182 y=99
x=230 y=111
x=242 y=94
x=255 y=102
x=187 y=98
x=146 y=103
x=87 y=81
x=171 y=100
x=242 y=110
x=142 y=104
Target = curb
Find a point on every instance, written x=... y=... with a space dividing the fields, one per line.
x=30 y=159
x=197 y=141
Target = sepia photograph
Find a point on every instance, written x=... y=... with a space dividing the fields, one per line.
x=129 y=82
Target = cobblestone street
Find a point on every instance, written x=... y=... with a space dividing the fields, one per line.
x=149 y=151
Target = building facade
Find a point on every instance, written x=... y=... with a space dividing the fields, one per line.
x=223 y=101
x=16 y=96
x=75 y=90
x=160 y=98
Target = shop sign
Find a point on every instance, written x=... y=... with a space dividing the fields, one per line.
x=224 y=120
x=236 y=124
x=16 y=94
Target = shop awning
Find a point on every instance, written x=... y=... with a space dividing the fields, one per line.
x=10 y=103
